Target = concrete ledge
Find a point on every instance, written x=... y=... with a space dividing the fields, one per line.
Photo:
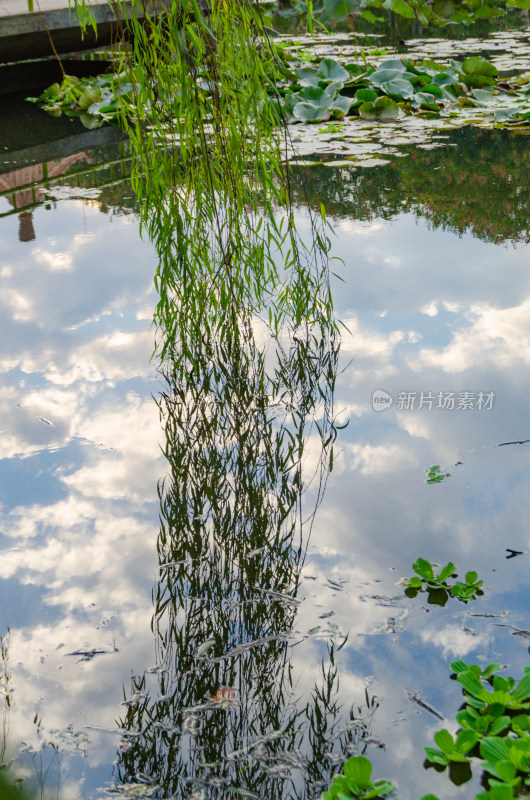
x=24 y=35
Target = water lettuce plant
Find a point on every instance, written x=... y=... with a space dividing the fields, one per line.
x=435 y=474
x=494 y=728
x=356 y=782
x=437 y=585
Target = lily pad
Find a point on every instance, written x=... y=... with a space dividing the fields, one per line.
x=381 y=76
x=399 y=88
x=366 y=95
x=384 y=109
x=307 y=76
x=308 y=112
x=331 y=70
x=476 y=65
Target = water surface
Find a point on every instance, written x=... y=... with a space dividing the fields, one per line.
x=234 y=655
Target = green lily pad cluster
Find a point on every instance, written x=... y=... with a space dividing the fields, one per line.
x=437 y=586
x=94 y=100
x=401 y=86
x=495 y=726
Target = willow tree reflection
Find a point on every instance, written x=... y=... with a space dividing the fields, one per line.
x=249 y=428
x=249 y=347
x=248 y=416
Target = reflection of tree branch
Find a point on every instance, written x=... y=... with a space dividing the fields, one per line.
x=232 y=540
x=477 y=187
x=5 y=688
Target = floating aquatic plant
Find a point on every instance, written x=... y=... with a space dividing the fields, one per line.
x=437 y=585
x=494 y=727
x=400 y=86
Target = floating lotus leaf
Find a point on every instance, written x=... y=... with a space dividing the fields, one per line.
x=341 y=106
x=398 y=88
x=308 y=112
x=425 y=100
x=433 y=89
x=366 y=95
x=331 y=70
x=312 y=94
x=478 y=81
x=384 y=109
x=476 y=65
x=483 y=97
x=381 y=76
x=332 y=89
x=393 y=63
x=445 y=78
x=308 y=76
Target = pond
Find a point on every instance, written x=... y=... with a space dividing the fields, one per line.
x=140 y=657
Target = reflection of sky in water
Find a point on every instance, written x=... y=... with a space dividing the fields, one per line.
x=426 y=310
x=78 y=494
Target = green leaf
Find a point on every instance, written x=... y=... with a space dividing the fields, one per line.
x=445 y=573
x=522 y=691
x=91 y=122
x=341 y=105
x=313 y=94
x=383 y=110
x=308 y=76
x=458 y=665
x=423 y=568
x=307 y=112
x=499 y=725
x=521 y=723
x=435 y=756
x=506 y=771
x=402 y=8
x=366 y=95
x=331 y=70
x=444 y=8
x=445 y=741
x=493 y=749
x=383 y=74
x=359 y=769
x=338 y=10
x=466 y=740
x=500 y=792
x=399 y=88
x=471 y=683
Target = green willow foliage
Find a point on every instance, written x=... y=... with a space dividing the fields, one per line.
x=249 y=348
x=213 y=189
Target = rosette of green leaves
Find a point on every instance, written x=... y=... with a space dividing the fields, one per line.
x=437 y=585
x=356 y=783
x=506 y=695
